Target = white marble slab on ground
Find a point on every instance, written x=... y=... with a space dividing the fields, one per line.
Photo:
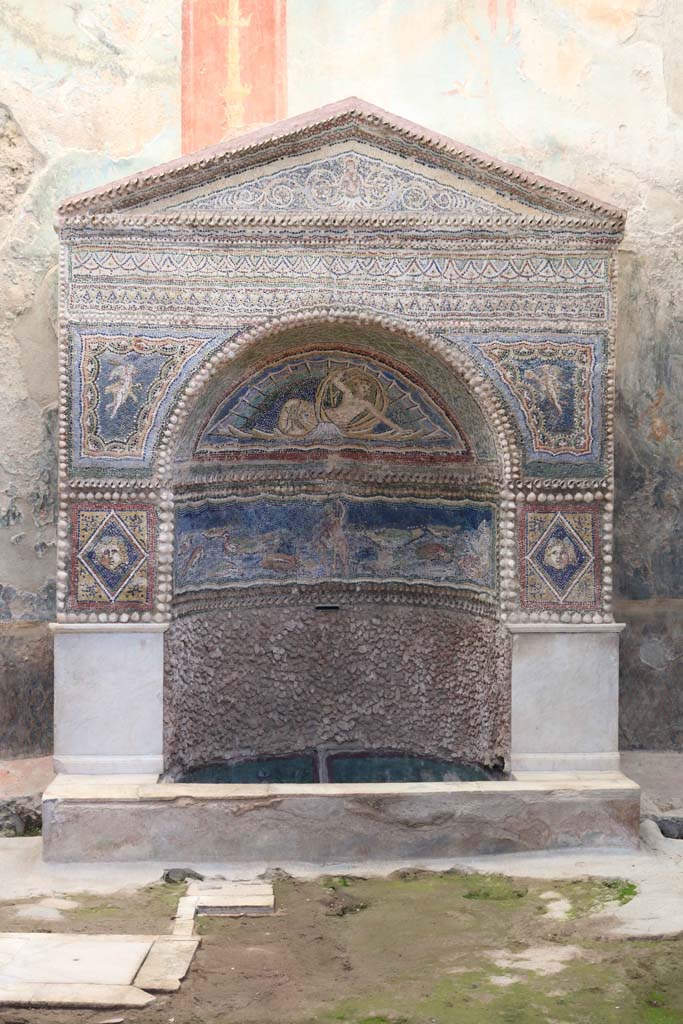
x=233 y=885
x=100 y=997
x=168 y=962
x=28 y=958
x=233 y=898
x=235 y=903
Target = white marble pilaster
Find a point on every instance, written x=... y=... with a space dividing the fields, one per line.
x=565 y=697
x=109 y=681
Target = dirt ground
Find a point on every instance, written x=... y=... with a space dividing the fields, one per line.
x=416 y=948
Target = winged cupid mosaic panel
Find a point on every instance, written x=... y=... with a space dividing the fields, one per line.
x=123 y=383
x=205 y=447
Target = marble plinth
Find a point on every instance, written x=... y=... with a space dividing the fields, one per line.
x=109 y=682
x=565 y=697
x=325 y=824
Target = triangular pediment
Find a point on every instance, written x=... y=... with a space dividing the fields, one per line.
x=352 y=178
x=349 y=158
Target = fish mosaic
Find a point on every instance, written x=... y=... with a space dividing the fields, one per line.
x=309 y=539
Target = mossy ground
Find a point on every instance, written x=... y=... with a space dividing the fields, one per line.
x=148 y=911
x=417 y=948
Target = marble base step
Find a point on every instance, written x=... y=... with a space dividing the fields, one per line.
x=110 y=819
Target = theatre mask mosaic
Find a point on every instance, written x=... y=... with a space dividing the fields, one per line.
x=113 y=556
x=345 y=352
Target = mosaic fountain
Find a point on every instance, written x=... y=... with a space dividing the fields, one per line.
x=336 y=482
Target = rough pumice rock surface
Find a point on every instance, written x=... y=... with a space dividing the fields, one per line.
x=276 y=680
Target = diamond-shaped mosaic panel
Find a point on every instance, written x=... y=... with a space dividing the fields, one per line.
x=113 y=557
x=559 y=557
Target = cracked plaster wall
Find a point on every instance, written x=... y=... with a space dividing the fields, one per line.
x=90 y=91
x=587 y=92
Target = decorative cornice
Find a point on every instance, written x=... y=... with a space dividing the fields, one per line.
x=511 y=223
x=358 y=117
x=332 y=594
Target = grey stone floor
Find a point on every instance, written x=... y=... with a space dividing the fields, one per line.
x=659 y=773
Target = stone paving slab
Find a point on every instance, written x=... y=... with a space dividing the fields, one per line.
x=183 y=928
x=167 y=963
x=247 y=887
x=37 y=958
x=235 y=902
x=68 y=995
x=186 y=909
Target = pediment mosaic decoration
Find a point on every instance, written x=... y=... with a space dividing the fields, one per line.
x=467 y=449
x=347 y=182
x=311 y=402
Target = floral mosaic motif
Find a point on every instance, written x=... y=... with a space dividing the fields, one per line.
x=311 y=402
x=122 y=381
x=309 y=539
x=559 y=557
x=113 y=556
x=555 y=388
x=346 y=181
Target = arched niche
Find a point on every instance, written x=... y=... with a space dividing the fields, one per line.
x=337 y=491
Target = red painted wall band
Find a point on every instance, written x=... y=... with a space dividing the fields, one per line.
x=234 y=68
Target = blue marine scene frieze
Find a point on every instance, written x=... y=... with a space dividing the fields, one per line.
x=308 y=539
